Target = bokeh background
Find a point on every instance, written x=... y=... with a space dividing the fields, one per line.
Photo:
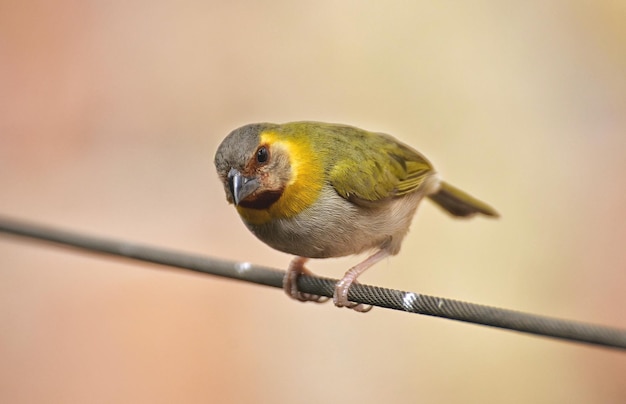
x=110 y=114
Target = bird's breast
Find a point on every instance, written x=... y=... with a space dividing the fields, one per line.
x=335 y=227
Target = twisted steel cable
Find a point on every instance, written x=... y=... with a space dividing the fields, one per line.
x=372 y=295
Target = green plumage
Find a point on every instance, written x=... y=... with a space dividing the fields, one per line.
x=364 y=167
x=376 y=168
x=370 y=168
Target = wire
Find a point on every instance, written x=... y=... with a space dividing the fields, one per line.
x=359 y=293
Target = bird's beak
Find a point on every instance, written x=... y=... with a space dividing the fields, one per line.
x=241 y=187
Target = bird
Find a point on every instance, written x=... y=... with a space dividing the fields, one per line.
x=324 y=190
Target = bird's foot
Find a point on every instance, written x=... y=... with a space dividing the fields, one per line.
x=340 y=296
x=290 y=282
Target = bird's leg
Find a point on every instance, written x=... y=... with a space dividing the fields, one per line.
x=290 y=282
x=340 y=297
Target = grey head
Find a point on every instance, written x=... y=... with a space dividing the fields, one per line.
x=244 y=168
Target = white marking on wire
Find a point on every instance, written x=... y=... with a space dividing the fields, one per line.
x=409 y=299
x=242 y=267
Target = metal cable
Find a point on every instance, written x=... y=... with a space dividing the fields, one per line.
x=372 y=295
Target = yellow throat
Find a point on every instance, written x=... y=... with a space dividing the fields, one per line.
x=304 y=186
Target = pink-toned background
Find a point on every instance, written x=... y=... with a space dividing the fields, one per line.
x=110 y=113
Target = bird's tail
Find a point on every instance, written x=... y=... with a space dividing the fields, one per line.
x=458 y=203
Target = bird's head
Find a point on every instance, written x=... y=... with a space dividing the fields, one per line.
x=266 y=173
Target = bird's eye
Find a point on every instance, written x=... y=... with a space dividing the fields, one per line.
x=262 y=154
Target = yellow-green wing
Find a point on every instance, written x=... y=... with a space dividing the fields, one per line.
x=375 y=167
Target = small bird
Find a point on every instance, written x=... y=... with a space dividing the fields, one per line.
x=321 y=190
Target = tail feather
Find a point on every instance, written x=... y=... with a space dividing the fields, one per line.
x=458 y=203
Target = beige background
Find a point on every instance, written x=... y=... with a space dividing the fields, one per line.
x=110 y=113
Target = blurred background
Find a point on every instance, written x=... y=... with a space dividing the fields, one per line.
x=110 y=114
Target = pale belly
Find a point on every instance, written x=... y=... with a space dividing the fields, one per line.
x=335 y=227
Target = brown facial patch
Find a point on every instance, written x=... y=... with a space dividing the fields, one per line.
x=252 y=166
x=261 y=200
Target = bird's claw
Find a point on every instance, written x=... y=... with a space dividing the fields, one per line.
x=340 y=298
x=340 y=295
x=290 y=282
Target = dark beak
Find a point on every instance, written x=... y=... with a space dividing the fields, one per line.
x=241 y=187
